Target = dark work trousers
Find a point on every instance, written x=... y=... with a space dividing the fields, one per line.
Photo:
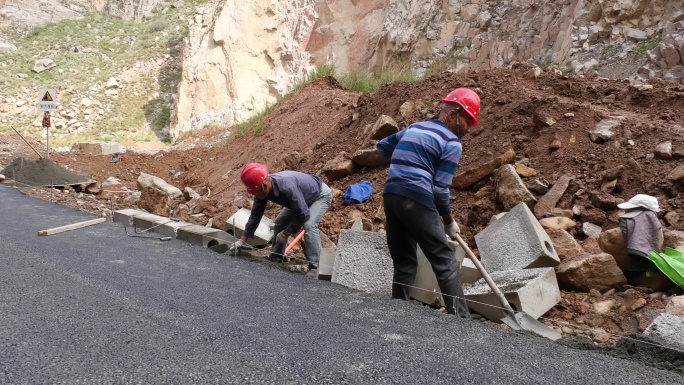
x=410 y=223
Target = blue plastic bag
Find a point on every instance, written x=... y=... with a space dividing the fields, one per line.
x=359 y=192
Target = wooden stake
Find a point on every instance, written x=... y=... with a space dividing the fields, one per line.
x=29 y=144
x=71 y=227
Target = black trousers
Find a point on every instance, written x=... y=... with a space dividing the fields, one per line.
x=410 y=224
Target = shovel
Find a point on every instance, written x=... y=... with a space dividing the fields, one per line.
x=516 y=321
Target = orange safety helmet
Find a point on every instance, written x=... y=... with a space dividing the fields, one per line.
x=253 y=175
x=467 y=99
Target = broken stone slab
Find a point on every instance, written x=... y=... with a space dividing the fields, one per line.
x=198 y=235
x=147 y=180
x=426 y=289
x=97 y=148
x=597 y=271
x=326 y=263
x=516 y=241
x=603 y=131
x=126 y=216
x=533 y=291
x=237 y=222
x=667 y=330
x=548 y=202
x=363 y=262
x=473 y=174
x=510 y=189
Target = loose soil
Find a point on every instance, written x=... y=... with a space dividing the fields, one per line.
x=324 y=120
x=41 y=172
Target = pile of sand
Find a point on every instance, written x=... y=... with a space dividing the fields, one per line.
x=41 y=172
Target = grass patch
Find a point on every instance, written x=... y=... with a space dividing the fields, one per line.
x=95 y=48
x=364 y=81
x=644 y=46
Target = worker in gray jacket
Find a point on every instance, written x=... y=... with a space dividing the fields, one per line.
x=642 y=231
x=305 y=199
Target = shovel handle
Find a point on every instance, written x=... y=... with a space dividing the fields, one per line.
x=485 y=275
x=297 y=238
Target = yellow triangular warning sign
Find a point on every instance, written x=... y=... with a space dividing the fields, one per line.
x=47 y=97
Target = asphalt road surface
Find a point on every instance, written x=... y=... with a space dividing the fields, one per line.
x=94 y=306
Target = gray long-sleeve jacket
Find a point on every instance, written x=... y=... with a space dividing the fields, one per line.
x=642 y=232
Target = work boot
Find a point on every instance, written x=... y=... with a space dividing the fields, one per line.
x=312 y=273
x=273 y=257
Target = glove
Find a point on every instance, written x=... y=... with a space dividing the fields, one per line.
x=237 y=246
x=282 y=237
x=460 y=253
x=452 y=230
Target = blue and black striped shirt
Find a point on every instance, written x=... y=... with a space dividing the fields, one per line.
x=423 y=159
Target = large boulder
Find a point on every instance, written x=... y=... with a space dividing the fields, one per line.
x=339 y=167
x=147 y=180
x=383 y=127
x=614 y=243
x=597 y=271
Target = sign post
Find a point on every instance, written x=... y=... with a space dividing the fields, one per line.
x=47 y=104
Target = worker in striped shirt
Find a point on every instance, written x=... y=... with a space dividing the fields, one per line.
x=423 y=159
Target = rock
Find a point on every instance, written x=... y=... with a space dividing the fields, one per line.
x=383 y=127
x=638 y=304
x=112 y=84
x=368 y=158
x=2 y=178
x=406 y=108
x=635 y=167
x=672 y=218
x=338 y=168
x=156 y=201
x=147 y=180
x=603 y=200
x=609 y=186
x=663 y=151
x=594 y=215
x=360 y=224
x=599 y=335
x=614 y=243
x=533 y=73
x=524 y=171
x=558 y=212
x=541 y=120
x=677 y=174
x=673 y=239
x=603 y=131
x=636 y=34
x=591 y=230
x=597 y=271
x=561 y=223
x=42 y=65
x=470 y=176
x=565 y=244
x=510 y=189
x=93 y=188
x=7 y=47
x=669 y=54
x=189 y=194
x=613 y=173
x=555 y=145
x=603 y=307
x=292 y=160
x=537 y=186
x=548 y=202
x=676 y=306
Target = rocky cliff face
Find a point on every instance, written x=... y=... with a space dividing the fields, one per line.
x=240 y=57
x=22 y=15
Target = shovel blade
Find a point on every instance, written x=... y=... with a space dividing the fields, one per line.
x=527 y=322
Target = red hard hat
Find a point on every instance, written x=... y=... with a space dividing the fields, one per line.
x=467 y=99
x=253 y=175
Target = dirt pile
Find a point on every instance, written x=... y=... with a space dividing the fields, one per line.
x=546 y=119
x=41 y=172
